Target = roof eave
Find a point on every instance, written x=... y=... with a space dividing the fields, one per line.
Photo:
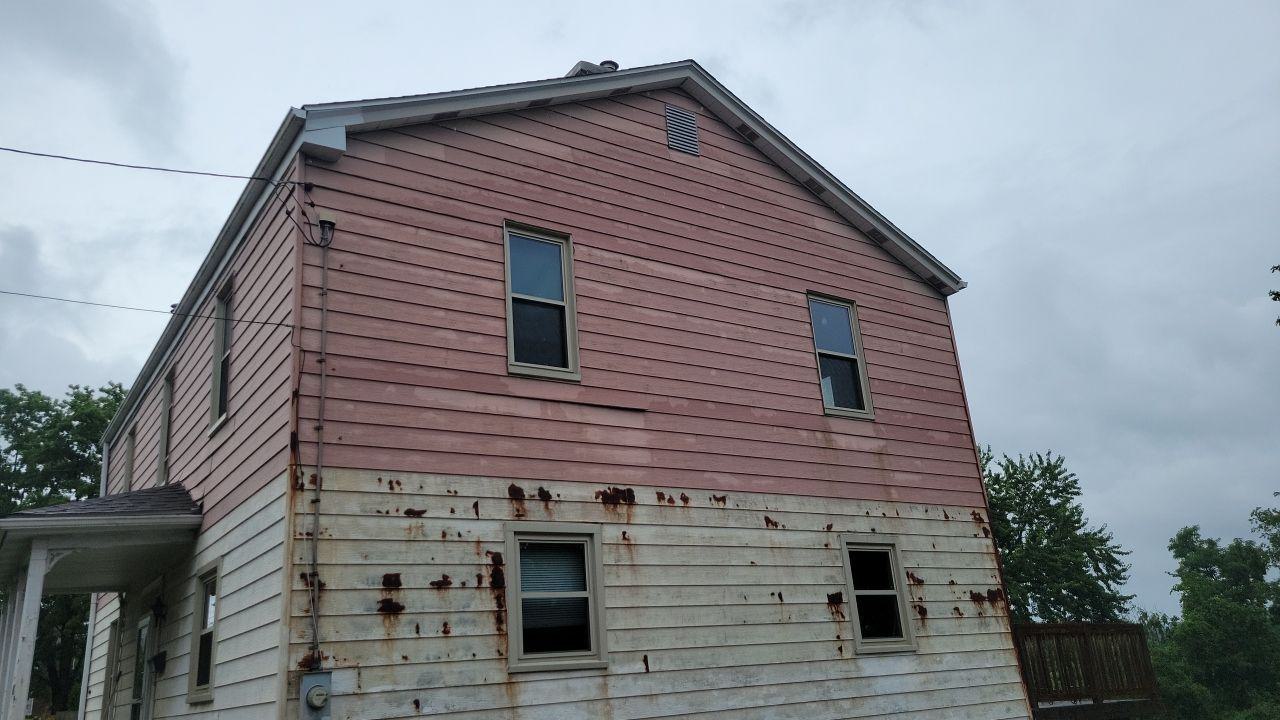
x=328 y=124
x=280 y=149
x=47 y=525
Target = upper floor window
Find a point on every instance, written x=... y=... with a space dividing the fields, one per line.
x=541 y=326
x=166 y=428
x=841 y=368
x=220 y=391
x=130 y=451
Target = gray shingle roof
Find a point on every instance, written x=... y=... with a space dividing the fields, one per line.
x=163 y=500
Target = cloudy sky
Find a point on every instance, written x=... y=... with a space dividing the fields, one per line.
x=1105 y=175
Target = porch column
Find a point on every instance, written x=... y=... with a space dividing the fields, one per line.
x=18 y=677
x=14 y=599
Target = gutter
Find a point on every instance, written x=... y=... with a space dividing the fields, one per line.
x=256 y=192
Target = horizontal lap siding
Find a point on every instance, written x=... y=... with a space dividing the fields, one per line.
x=251 y=542
x=252 y=447
x=730 y=615
x=690 y=276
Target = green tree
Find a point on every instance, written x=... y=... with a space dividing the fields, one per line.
x=1220 y=660
x=49 y=454
x=1056 y=567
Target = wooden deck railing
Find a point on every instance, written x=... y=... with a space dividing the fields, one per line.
x=1082 y=669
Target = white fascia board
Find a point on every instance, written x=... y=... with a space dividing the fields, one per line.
x=32 y=526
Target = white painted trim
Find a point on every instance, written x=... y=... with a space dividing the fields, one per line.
x=90 y=629
x=86 y=524
x=19 y=677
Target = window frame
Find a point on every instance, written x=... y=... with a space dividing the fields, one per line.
x=590 y=537
x=889 y=544
x=223 y=317
x=210 y=571
x=130 y=457
x=111 y=679
x=166 y=428
x=573 y=372
x=859 y=358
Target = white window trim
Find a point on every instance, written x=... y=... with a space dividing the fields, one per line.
x=204 y=693
x=573 y=372
x=223 y=307
x=867 y=413
x=590 y=535
x=857 y=541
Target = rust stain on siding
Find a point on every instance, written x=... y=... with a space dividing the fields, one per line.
x=914 y=579
x=391 y=580
x=390 y=606
x=516 y=494
x=771 y=523
x=720 y=500
x=835 y=605
x=444 y=582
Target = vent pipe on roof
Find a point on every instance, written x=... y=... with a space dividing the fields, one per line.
x=582 y=67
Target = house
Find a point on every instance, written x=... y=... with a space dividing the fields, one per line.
x=591 y=397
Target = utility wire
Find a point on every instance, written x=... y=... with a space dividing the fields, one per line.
x=130 y=166
x=138 y=309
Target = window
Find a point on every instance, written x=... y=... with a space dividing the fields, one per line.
x=879 y=608
x=220 y=391
x=555 y=597
x=838 y=346
x=130 y=444
x=140 y=695
x=166 y=421
x=541 y=327
x=204 y=636
x=112 y=676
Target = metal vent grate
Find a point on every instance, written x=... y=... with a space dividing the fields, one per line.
x=682 y=130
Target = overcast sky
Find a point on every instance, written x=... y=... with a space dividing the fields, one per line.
x=1105 y=175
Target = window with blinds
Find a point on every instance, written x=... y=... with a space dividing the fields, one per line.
x=555 y=597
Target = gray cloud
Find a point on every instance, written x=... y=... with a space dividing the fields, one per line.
x=113 y=50
x=1104 y=175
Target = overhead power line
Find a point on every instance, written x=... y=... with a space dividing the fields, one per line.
x=138 y=309
x=155 y=168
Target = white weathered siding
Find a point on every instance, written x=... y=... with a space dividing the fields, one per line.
x=251 y=541
x=730 y=615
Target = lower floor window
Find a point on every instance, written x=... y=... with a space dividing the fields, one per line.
x=555 y=597
x=876 y=596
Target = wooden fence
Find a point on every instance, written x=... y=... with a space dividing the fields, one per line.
x=1086 y=669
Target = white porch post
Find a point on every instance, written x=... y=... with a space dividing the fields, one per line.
x=13 y=613
x=7 y=630
x=19 y=675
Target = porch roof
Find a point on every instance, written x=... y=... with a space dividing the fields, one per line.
x=103 y=544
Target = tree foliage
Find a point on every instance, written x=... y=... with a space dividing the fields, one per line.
x=49 y=454
x=1220 y=659
x=1056 y=567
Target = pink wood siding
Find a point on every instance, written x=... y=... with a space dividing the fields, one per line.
x=253 y=446
x=691 y=273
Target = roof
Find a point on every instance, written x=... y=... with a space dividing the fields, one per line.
x=164 y=500
x=320 y=131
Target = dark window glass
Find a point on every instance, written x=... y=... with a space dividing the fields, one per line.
x=556 y=625
x=536 y=268
x=832 y=329
x=224 y=383
x=841 y=387
x=205 y=662
x=878 y=617
x=872 y=570
x=539 y=334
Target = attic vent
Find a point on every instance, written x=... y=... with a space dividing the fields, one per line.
x=540 y=102
x=814 y=186
x=747 y=132
x=682 y=130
